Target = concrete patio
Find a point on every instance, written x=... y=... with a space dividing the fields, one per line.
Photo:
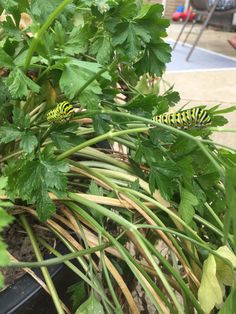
x=211 y=87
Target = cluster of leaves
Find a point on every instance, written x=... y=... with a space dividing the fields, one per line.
x=101 y=31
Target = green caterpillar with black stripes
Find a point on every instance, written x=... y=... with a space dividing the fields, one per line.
x=186 y=119
x=61 y=113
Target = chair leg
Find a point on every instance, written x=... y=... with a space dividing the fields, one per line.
x=203 y=28
x=182 y=29
x=189 y=32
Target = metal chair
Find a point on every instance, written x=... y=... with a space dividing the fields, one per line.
x=202 y=8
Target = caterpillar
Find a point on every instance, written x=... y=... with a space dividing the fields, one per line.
x=185 y=119
x=62 y=112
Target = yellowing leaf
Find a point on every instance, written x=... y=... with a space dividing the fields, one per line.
x=209 y=293
x=225 y=273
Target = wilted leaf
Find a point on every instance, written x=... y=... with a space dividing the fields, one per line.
x=209 y=293
x=225 y=272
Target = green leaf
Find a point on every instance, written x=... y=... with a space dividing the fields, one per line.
x=65 y=141
x=78 y=40
x=128 y=37
x=95 y=189
x=1 y=280
x=186 y=206
x=53 y=172
x=78 y=292
x=230 y=197
x=159 y=136
x=42 y=9
x=44 y=205
x=9 y=133
x=167 y=168
x=4 y=256
x=89 y=100
x=5 y=60
x=91 y=306
x=20 y=118
x=3 y=182
x=165 y=184
x=148 y=84
x=150 y=11
x=31 y=180
x=5 y=218
x=226 y=110
x=218 y=121
x=79 y=72
x=19 y=84
x=209 y=293
x=102 y=49
x=230 y=303
x=155 y=56
x=28 y=141
x=100 y=125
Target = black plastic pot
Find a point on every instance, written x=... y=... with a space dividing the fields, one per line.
x=26 y=296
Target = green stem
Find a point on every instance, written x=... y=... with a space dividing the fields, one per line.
x=96 y=154
x=58 y=260
x=219 y=129
x=119 y=247
x=218 y=144
x=217 y=219
x=44 y=270
x=118 y=309
x=109 y=135
x=77 y=271
x=183 y=236
x=38 y=35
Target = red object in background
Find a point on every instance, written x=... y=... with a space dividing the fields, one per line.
x=185 y=15
x=176 y=16
x=182 y=16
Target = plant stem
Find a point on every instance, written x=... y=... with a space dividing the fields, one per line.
x=77 y=271
x=219 y=129
x=44 y=270
x=43 y=28
x=58 y=260
x=109 y=135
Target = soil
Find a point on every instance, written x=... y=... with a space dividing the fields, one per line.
x=20 y=247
